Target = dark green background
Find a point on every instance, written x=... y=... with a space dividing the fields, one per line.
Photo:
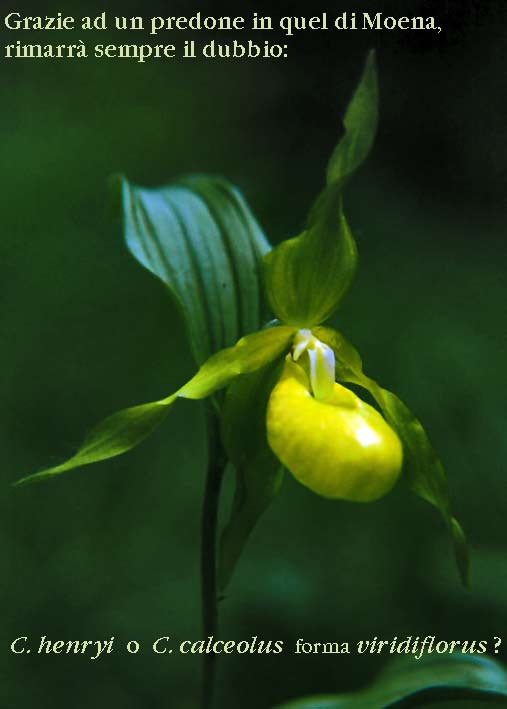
x=113 y=549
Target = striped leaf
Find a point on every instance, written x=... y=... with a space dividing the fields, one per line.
x=200 y=238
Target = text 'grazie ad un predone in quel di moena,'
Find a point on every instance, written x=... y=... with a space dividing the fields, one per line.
x=142 y=34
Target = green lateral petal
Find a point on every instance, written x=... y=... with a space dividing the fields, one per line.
x=259 y=473
x=250 y=353
x=113 y=436
x=201 y=239
x=307 y=276
x=126 y=429
x=456 y=677
x=422 y=467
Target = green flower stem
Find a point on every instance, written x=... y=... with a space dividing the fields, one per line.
x=209 y=520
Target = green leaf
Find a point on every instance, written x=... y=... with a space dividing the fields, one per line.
x=422 y=468
x=126 y=429
x=200 y=238
x=307 y=276
x=259 y=473
x=413 y=683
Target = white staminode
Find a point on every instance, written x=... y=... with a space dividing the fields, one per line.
x=321 y=361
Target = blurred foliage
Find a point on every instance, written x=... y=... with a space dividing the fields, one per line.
x=113 y=550
x=403 y=682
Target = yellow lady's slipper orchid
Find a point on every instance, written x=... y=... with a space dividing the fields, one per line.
x=330 y=440
x=198 y=236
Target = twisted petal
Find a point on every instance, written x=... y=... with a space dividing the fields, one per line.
x=126 y=429
x=423 y=469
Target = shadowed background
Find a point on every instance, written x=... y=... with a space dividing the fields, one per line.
x=112 y=550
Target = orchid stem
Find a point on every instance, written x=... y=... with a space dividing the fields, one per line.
x=209 y=521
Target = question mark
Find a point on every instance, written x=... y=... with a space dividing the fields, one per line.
x=497 y=643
